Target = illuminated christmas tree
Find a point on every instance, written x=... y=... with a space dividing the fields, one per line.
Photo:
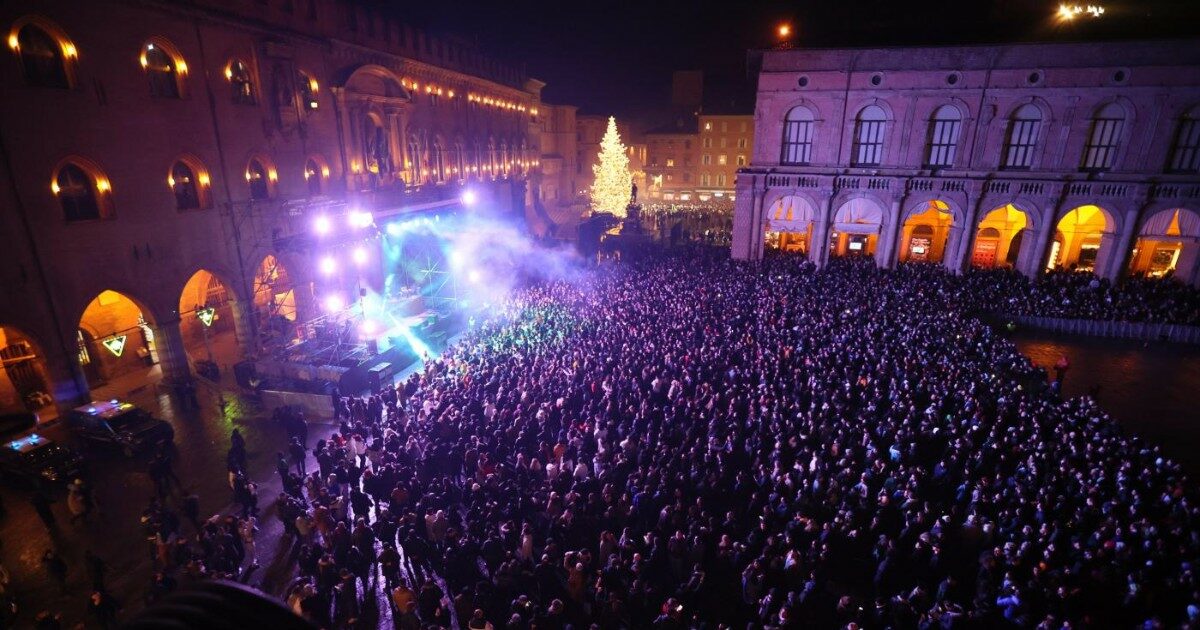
x=610 y=191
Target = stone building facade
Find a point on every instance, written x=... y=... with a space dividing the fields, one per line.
x=1074 y=155
x=148 y=145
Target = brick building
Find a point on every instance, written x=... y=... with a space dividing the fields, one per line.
x=157 y=157
x=1083 y=155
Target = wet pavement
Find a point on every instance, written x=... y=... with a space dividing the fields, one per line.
x=1149 y=388
x=123 y=490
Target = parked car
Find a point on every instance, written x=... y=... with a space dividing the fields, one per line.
x=31 y=457
x=119 y=424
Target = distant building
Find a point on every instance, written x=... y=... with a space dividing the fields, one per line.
x=1076 y=155
x=697 y=163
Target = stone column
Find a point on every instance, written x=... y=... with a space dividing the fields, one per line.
x=966 y=240
x=244 y=327
x=885 y=252
x=1187 y=268
x=819 y=243
x=172 y=354
x=1034 y=253
x=68 y=384
x=756 y=224
x=1115 y=248
x=743 y=211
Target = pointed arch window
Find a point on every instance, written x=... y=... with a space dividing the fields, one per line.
x=82 y=193
x=241 y=83
x=868 y=136
x=943 y=136
x=163 y=70
x=313 y=174
x=306 y=88
x=43 y=57
x=186 y=186
x=798 y=128
x=259 y=179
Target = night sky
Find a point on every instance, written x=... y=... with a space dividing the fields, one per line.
x=617 y=58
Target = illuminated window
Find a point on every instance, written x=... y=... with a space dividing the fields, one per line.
x=797 y=136
x=1185 y=155
x=1101 y=150
x=868 y=137
x=741 y=160
x=437 y=158
x=722 y=160
x=258 y=179
x=943 y=136
x=312 y=176
x=162 y=70
x=184 y=185
x=241 y=83
x=670 y=163
x=1022 y=137
x=42 y=58
x=83 y=195
x=306 y=89
x=708 y=126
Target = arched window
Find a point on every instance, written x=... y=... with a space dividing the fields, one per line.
x=313 y=176
x=241 y=83
x=480 y=160
x=416 y=165
x=1185 y=155
x=437 y=159
x=162 y=70
x=306 y=88
x=1023 y=132
x=797 y=136
x=1105 y=137
x=492 y=166
x=184 y=184
x=459 y=162
x=43 y=58
x=258 y=177
x=943 y=136
x=868 y=136
x=504 y=164
x=83 y=195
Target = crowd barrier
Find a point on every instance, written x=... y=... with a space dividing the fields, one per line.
x=1142 y=331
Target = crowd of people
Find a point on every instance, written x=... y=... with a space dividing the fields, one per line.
x=687 y=441
x=1081 y=295
x=694 y=442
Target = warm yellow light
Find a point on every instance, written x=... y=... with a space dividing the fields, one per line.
x=249 y=176
x=272 y=175
x=69 y=50
x=102 y=185
x=13 y=42
x=54 y=187
x=451 y=94
x=204 y=179
x=355 y=167
x=324 y=171
x=785 y=30
x=533 y=111
x=143 y=60
x=312 y=85
x=308 y=174
x=171 y=181
x=181 y=66
x=1065 y=12
x=228 y=73
x=429 y=89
